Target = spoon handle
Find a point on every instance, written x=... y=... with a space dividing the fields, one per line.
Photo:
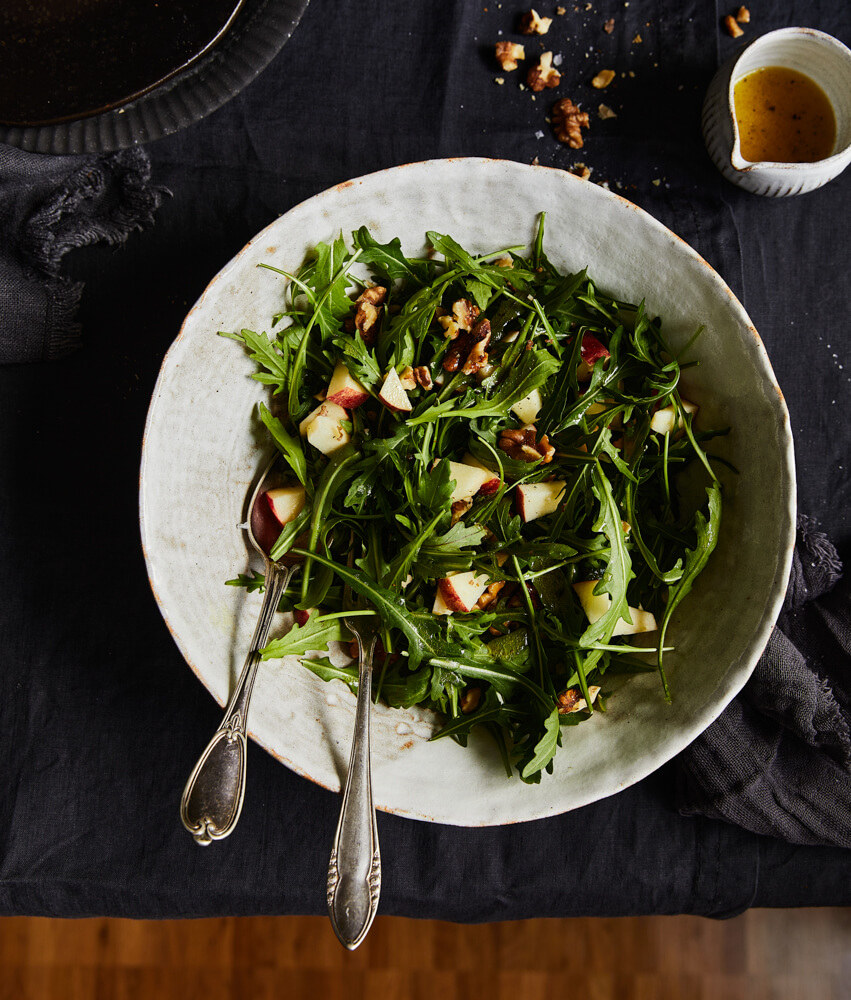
x=354 y=870
x=213 y=796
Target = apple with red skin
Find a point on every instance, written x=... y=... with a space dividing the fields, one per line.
x=393 y=394
x=591 y=350
x=344 y=389
x=535 y=500
x=460 y=591
x=489 y=486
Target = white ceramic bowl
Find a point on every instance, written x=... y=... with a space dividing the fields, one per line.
x=819 y=56
x=202 y=451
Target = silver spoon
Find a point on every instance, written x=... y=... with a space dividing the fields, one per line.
x=354 y=870
x=213 y=796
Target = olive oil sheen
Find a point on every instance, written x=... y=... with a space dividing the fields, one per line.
x=783 y=116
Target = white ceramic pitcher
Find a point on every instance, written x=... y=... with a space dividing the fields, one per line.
x=822 y=58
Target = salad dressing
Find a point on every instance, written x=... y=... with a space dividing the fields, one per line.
x=783 y=116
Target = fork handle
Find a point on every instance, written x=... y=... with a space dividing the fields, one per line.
x=354 y=871
x=212 y=799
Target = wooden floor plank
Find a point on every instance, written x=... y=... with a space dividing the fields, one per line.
x=761 y=955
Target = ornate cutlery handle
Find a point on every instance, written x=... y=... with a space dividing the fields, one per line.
x=213 y=796
x=354 y=871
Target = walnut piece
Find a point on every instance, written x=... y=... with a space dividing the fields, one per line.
x=531 y=23
x=571 y=700
x=407 y=379
x=609 y=26
x=604 y=111
x=603 y=79
x=522 y=445
x=733 y=30
x=508 y=54
x=368 y=312
x=464 y=346
x=464 y=315
x=543 y=75
x=568 y=121
x=478 y=356
x=743 y=15
x=489 y=596
x=423 y=377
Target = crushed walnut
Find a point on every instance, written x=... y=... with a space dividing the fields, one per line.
x=743 y=15
x=571 y=700
x=423 y=378
x=581 y=170
x=544 y=75
x=733 y=29
x=489 y=596
x=531 y=23
x=568 y=122
x=464 y=348
x=406 y=379
x=604 y=111
x=459 y=508
x=478 y=356
x=368 y=312
x=508 y=54
x=609 y=26
x=603 y=79
x=464 y=315
x=522 y=445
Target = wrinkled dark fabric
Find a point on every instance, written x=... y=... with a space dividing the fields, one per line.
x=101 y=719
x=48 y=206
x=778 y=759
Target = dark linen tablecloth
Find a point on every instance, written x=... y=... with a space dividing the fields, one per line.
x=100 y=719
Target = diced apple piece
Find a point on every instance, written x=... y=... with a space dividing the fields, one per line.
x=301 y=617
x=528 y=408
x=286 y=502
x=597 y=605
x=460 y=591
x=323 y=428
x=665 y=419
x=537 y=499
x=468 y=480
x=490 y=486
x=440 y=606
x=590 y=352
x=345 y=390
x=393 y=394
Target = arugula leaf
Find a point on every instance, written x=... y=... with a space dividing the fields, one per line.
x=288 y=444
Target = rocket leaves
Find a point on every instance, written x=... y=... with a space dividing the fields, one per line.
x=475 y=586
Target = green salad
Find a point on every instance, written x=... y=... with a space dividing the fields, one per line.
x=501 y=442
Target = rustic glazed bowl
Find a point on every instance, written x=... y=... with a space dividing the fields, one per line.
x=204 y=447
x=819 y=56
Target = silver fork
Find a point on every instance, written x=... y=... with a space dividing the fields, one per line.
x=354 y=870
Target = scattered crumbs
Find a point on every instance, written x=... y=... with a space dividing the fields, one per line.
x=637 y=40
x=581 y=170
x=609 y=26
x=588 y=6
x=539 y=134
x=561 y=10
x=656 y=181
x=536 y=162
x=603 y=184
x=604 y=111
x=680 y=86
x=558 y=59
x=500 y=80
x=631 y=73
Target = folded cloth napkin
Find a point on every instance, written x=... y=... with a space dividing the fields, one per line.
x=48 y=206
x=778 y=759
